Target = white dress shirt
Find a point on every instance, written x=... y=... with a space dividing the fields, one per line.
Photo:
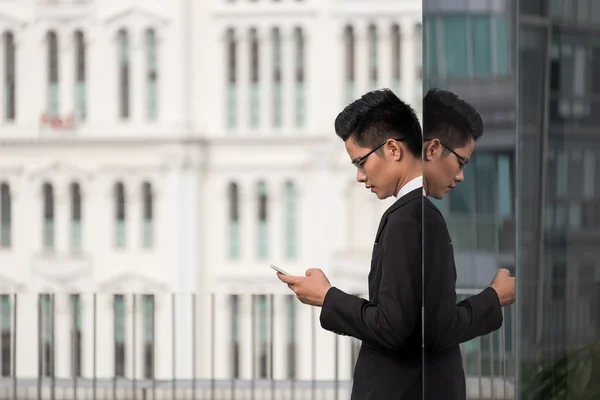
x=410 y=186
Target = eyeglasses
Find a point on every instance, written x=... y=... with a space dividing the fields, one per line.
x=359 y=161
x=462 y=161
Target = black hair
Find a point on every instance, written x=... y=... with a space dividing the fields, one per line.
x=450 y=119
x=377 y=116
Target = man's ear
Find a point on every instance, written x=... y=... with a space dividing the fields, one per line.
x=396 y=149
x=430 y=149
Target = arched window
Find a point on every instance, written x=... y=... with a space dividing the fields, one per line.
x=48 y=193
x=149 y=329
x=234 y=220
x=277 y=89
x=299 y=76
x=418 y=43
x=254 y=79
x=373 y=65
x=53 y=95
x=75 y=216
x=396 y=53
x=80 y=89
x=124 y=66
x=9 y=77
x=291 y=220
x=5 y=215
x=152 y=74
x=120 y=233
x=148 y=223
x=119 y=321
x=263 y=228
x=349 y=43
x=231 y=78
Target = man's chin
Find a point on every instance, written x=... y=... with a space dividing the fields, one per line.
x=437 y=196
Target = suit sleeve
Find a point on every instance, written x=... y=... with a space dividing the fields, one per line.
x=447 y=323
x=389 y=323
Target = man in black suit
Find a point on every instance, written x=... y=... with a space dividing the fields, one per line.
x=383 y=138
x=451 y=127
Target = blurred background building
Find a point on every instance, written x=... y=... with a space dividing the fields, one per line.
x=156 y=157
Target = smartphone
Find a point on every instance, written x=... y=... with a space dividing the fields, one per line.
x=280 y=270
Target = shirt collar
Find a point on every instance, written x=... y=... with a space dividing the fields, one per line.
x=410 y=186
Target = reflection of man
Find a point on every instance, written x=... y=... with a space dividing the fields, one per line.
x=451 y=127
x=383 y=139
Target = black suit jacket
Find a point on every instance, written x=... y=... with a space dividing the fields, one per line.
x=447 y=324
x=390 y=325
x=389 y=364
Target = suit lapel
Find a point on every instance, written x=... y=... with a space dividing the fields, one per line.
x=399 y=203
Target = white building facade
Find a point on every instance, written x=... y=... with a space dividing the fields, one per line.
x=161 y=155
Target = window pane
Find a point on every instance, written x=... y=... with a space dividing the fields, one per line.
x=502 y=38
x=431 y=43
x=482 y=45
x=456 y=46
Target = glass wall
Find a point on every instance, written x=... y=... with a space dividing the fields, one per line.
x=558 y=295
x=468 y=48
x=530 y=201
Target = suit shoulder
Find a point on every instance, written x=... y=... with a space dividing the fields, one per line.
x=411 y=212
x=432 y=215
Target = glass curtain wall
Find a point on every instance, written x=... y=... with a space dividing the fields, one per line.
x=558 y=295
x=468 y=49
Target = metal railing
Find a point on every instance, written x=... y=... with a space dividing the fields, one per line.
x=214 y=346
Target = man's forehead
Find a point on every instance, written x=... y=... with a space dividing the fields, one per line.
x=467 y=148
x=354 y=150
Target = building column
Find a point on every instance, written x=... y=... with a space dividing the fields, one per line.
x=87 y=335
x=26 y=337
x=306 y=350
x=223 y=339
x=163 y=337
x=63 y=325
x=105 y=344
x=188 y=215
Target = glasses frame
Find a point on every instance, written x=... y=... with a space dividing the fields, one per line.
x=462 y=161
x=358 y=163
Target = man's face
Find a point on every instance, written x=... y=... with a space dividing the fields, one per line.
x=443 y=171
x=375 y=171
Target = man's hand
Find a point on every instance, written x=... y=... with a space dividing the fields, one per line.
x=310 y=289
x=504 y=285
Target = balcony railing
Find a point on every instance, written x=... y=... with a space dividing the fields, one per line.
x=193 y=346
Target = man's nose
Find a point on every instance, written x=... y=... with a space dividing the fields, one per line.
x=360 y=176
x=460 y=176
